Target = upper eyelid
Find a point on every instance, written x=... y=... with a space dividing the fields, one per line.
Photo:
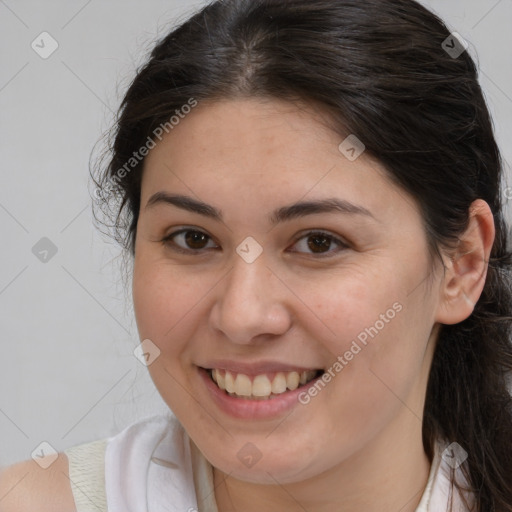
x=184 y=230
x=321 y=232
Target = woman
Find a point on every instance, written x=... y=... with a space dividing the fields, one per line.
x=310 y=194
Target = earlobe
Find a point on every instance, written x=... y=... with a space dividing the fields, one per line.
x=466 y=270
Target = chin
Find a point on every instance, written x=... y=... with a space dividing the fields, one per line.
x=269 y=471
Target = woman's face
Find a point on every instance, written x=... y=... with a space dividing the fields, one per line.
x=268 y=284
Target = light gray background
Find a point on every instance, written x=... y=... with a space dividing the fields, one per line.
x=67 y=370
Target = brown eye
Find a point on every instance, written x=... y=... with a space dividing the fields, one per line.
x=196 y=239
x=188 y=241
x=319 y=243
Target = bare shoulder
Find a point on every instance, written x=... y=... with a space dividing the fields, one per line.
x=26 y=487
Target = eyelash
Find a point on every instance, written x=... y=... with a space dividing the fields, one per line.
x=167 y=241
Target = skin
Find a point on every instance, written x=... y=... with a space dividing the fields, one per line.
x=361 y=435
x=26 y=486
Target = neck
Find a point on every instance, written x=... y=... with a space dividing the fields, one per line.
x=389 y=473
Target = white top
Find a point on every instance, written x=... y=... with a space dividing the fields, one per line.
x=153 y=466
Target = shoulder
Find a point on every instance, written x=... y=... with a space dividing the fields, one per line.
x=27 y=487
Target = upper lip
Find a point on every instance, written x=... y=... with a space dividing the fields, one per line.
x=255 y=368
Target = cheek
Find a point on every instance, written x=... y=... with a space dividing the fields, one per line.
x=356 y=305
x=163 y=297
x=376 y=332
x=165 y=302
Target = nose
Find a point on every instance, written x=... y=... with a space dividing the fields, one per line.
x=251 y=303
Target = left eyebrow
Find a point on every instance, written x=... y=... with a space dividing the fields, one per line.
x=329 y=205
x=283 y=214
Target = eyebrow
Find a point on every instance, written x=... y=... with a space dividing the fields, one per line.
x=283 y=214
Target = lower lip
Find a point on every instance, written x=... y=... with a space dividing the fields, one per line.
x=254 y=409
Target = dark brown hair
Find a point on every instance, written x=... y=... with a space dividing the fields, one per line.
x=380 y=69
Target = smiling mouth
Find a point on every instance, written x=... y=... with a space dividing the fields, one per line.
x=261 y=387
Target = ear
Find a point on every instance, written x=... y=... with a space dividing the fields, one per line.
x=466 y=267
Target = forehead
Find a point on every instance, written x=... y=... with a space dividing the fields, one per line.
x=271 y=150
x=248 y=129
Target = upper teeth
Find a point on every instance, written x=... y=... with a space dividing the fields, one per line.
x=260 y=386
